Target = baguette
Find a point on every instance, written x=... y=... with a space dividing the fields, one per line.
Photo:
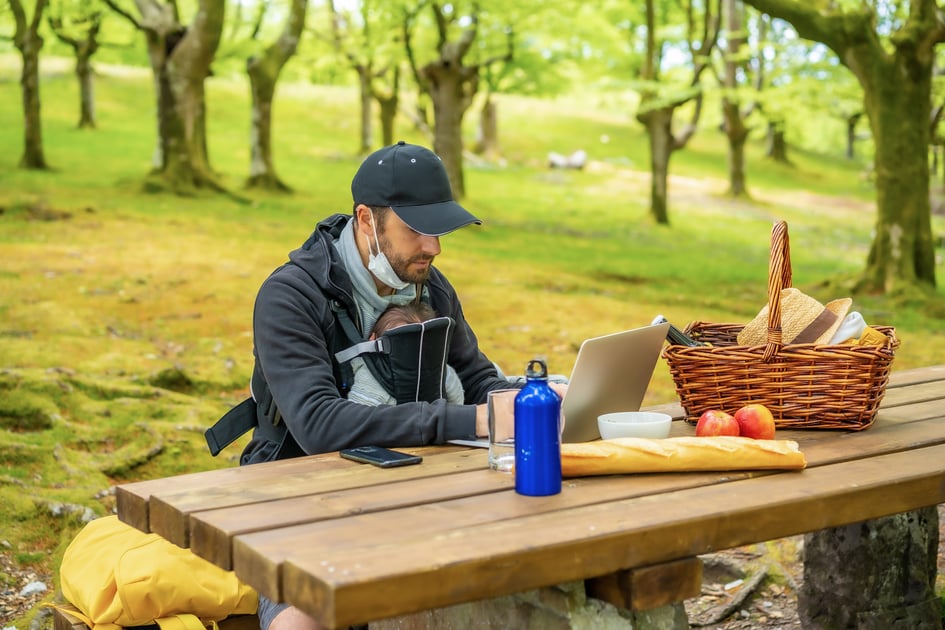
x=677 y=454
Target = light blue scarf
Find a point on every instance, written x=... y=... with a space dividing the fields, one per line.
x=370 y=304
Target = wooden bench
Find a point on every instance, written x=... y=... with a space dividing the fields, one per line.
x=64 y=620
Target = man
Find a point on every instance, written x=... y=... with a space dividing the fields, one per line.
x=347 y=273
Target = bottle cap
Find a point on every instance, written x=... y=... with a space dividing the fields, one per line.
x=541 y=371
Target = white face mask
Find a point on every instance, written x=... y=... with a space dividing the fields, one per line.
x=380 y=266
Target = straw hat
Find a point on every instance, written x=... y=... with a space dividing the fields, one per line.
x=803 y=320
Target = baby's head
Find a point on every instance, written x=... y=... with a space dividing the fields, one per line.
x=400 y=315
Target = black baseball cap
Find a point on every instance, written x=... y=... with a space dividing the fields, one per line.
x=412 y=181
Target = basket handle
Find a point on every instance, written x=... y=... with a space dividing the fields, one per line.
x=779 y=277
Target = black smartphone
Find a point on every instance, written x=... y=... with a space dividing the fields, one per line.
x=379 y=456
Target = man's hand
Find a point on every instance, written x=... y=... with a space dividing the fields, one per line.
x=560 y=388
x=504 y=408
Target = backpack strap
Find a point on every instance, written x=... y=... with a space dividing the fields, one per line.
x=231 y=426
x=260 y=411
x=352 y=336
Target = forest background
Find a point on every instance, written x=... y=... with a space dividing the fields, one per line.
x=126 y=291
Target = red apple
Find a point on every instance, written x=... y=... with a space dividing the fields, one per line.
x=755 y=421
x=716 y=422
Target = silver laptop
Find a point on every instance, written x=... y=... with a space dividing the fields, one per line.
x=611 y=373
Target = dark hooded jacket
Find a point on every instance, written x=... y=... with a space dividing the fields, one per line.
x=296 y=333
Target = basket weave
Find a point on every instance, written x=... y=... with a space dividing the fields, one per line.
x=805 y=386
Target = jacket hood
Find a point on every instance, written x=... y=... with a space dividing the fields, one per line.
x=319 y=259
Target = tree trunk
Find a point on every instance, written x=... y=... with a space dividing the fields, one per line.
x=896 y=76
x=656 y=112
x=388 y=113
x=262 y=174
x=366 y=99
x=776 y=145
x=898 y=105
x=263 y=74
x=737 y=135
x=451 y=86
x=450 y=101
x=851 y=135
x=83 y=48
x=448 y=140
x=732 y=121
x=879 y=574
x=33 y=157
x=186 y=163
x=658 y=123
x=388 y=102
x=86 y=77
x=180 y=59
x=29 y=42
x=487 y=142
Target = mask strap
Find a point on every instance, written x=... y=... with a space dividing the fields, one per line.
x=377 y=241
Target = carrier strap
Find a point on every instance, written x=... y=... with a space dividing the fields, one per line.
x=381 y=344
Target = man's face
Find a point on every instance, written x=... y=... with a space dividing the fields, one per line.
x=410 y=254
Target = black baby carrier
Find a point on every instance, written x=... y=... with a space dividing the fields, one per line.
x=408 y=361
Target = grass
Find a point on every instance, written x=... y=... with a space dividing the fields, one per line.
x=125 y=317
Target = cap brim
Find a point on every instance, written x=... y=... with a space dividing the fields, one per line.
x=435 y=219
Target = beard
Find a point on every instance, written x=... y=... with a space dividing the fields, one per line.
x=401 y=264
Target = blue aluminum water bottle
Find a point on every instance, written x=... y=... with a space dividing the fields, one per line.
x=537 y=434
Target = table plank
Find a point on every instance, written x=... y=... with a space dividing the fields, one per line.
x=212 y=531
x=169 y=509
x=898 y=378
x=132 y=498
x=911 y=412
x=260 y=555
x=912 y=394
x=343 y=586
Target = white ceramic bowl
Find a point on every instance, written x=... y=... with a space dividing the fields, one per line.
x=646 y=424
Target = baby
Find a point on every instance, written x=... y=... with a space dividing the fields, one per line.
x=366 y=389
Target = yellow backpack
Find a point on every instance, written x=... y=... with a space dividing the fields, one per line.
x=118 y=576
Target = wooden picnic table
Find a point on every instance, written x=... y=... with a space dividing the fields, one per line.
x=350 y=543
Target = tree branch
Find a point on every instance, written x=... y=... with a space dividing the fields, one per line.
x=260 y=14
x=408 y=47
x=120 y=11
x=38 y=15
x=711 y=25
x=838 y=29
x=55 y=25
x=442 y=26
x=468 y=36
x=509 y=53
x=19 y=18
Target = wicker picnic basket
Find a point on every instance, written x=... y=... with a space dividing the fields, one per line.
x=805 y=385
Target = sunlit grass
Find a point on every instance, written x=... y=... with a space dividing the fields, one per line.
x=567 y=239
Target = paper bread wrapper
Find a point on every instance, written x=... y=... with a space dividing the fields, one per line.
x=678 y=454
